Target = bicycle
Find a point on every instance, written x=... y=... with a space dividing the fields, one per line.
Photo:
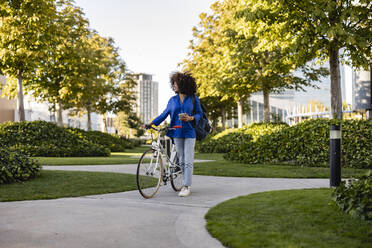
x=156 y=167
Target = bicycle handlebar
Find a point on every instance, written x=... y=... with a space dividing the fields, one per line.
x=165 y=128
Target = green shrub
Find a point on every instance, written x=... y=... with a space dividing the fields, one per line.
x=259 y=129
x=46 y=149
x=249 y=151
x=15 y=166
x=357 y=143
x=40 y=138
x=113 y=142
x=225 y=143
x=307 y=144
x=355 y=197
x=233 y=139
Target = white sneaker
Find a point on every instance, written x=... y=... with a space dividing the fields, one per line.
x=185 y=191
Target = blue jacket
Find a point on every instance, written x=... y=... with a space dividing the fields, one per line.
x=174 y=108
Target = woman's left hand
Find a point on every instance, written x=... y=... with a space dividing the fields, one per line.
x=187 y=118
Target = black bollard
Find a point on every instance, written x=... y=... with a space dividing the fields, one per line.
x=335 y=155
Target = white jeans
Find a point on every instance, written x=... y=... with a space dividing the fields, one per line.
x=185 y=150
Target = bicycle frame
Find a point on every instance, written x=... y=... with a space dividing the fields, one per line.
x=170 y=160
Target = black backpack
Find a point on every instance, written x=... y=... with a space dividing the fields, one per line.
x=203 y=128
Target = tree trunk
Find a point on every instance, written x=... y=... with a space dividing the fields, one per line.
x=223 y=119
x=59 y=114
x=89 y=123
x=214 y=125
x=336 y=98
x=240 y=113
x=21 y=106
x=266 y=108
x=104 y=123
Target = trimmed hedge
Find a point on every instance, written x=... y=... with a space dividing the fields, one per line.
x=226 y=143
x=307 y=144
x=355 y=197
x=41 y=138
x=232 y=139
x=15 y=167
x=113 y=142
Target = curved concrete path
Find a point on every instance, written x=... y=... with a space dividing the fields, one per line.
x=126 y=219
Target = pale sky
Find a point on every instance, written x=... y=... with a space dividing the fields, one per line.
x=153 y=35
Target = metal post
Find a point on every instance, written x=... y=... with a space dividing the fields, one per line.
x=335 y=155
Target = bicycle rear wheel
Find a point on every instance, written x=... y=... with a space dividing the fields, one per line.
x=149 y=173
x=176 y=177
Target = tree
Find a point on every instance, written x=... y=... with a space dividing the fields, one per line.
x=312 y=29
x=217 y=108
x=204 y=62
x=128 y=124
x=55 y=77
x=226 y=51
x=25 y=33
x=261 y=70
x=121 y=96
x=104 y=84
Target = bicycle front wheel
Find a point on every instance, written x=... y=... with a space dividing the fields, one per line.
x=149 y=173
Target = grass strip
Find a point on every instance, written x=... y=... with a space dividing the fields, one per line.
x=57 y=184
x=219 y=167
x=231 y=169
x=290 y=218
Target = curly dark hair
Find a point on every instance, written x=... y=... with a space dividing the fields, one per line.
x=185 y=82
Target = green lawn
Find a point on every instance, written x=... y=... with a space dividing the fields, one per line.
x=56 y=184
x=231 y=169
x=291 y=218
x=209 y=156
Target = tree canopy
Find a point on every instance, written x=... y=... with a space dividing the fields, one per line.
x=334 y=30
x=226 y=62
x=26 y=28
x=64 y=61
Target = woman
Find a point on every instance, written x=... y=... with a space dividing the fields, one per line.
x=180 y=108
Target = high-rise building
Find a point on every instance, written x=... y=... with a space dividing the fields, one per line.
x=147 y=97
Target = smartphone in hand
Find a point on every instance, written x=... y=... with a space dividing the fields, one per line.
x=182 y=116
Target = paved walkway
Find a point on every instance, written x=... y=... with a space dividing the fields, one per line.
x=126 y=219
